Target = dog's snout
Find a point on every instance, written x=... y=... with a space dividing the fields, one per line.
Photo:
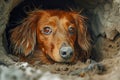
x=66 y=52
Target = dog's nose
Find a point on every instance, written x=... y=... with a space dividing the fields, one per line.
x=66 y=52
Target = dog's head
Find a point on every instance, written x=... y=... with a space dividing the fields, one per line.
x=55 y=33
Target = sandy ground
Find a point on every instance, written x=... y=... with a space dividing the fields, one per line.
x=110 y=70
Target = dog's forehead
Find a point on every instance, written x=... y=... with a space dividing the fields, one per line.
x=57 y=18
x=62 y=16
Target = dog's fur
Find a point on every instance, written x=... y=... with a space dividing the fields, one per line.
x=30 y=42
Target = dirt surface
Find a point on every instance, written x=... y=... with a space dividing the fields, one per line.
x=78 y=71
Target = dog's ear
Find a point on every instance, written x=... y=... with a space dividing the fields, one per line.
x=83 y=38
x=23 y=37
x=83 y=35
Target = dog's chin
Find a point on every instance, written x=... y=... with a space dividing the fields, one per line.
x=59 y=59
x=56 y=58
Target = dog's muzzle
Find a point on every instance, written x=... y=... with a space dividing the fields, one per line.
x=66 y=52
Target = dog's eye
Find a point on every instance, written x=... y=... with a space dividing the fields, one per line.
x=71 y=30
x=47 y=30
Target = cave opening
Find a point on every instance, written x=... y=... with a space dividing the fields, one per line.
x=21 y=10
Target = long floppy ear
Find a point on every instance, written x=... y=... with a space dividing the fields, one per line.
x=84 y=39
x=23 y=37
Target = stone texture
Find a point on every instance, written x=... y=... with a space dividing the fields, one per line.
x=105 y=48
x=5 y=8
x=23 y=71
x=106 y=19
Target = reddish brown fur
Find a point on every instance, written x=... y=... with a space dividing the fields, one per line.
x=28 y=41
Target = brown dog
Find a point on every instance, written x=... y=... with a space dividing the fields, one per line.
x=51 y=36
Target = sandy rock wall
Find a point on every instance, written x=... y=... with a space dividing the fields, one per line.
x=106 y=27
x=107 y=19
x=5 y=8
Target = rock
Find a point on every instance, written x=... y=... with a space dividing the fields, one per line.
x=106 y=20
x=106 y=48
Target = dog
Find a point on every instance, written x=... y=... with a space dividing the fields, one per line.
x=51 y=36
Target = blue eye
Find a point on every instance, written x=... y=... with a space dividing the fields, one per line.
x=71 y=30
x=47 y=30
